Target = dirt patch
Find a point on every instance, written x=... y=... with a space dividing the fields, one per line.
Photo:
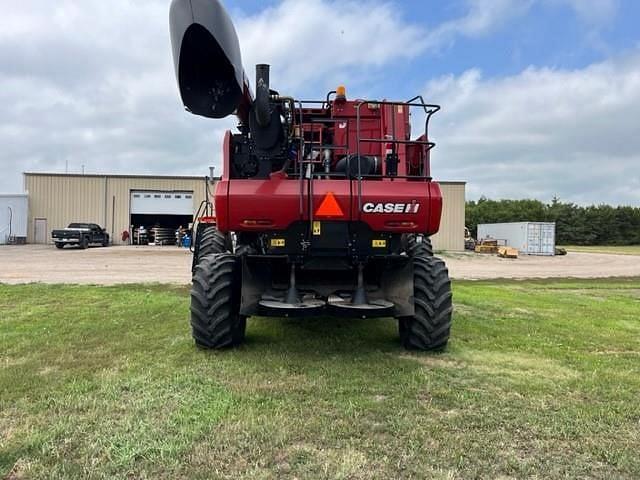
x=103 y=266
x=518 y=365
x=473 y=266
x=114 y=265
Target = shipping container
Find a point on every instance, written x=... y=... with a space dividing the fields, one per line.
x=14 y=211
x=530 y=238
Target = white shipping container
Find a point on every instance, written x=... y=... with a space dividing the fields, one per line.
x=14 y=209
x=530 y=238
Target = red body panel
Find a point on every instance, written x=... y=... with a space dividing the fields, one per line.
x=423 y=196
x=397 y=205
x=263 y=205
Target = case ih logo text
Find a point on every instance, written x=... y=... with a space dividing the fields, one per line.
x=380 y=207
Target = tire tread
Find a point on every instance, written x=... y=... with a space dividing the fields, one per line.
x=430 y=327
x=215 y=319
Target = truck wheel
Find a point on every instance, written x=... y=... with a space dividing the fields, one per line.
x=430 y=326
x=105 y=241
x=59 y=245
x=84 y=243
x=415 y=248
x=215 y=303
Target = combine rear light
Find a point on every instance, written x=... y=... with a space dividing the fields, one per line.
x=257 y=223
x=394 y=224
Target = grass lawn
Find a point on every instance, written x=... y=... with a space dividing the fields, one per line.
x=541 y=378
x=622 y=250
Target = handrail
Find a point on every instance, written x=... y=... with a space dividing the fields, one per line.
x=417 y=101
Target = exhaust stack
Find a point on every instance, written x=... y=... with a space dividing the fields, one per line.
x=261 y=105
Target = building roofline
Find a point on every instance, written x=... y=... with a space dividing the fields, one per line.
x=177 y=177
x=111 y=175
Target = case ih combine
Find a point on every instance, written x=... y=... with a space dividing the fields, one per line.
x=324 y=206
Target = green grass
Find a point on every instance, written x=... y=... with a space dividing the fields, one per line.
x=622 y=250
x=541 y=379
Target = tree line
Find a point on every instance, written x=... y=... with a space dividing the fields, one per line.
x=575 y=224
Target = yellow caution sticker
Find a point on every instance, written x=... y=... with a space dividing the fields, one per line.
x=277 y=242
x=316 y=230
x=378 y=243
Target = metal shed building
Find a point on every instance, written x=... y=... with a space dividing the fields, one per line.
x=451 y=234
x=118 y=201
x=13 y=218
x=113 y=201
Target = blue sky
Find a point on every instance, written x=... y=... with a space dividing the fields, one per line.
x=537 y=33
x=539 y=97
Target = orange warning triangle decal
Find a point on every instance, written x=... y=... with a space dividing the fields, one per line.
x=329 y=207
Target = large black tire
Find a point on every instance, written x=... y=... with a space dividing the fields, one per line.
x=415 y=248
x=59 y=245
x=209 y=241
x=105 y=241
x=84 y=243
x=213 y=241
x=430 y=326
x=215 y=303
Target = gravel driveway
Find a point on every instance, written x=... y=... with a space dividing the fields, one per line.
x=43 y=263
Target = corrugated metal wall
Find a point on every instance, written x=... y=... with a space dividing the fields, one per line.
x=13 y=216
x=451 y=234
x=62 y=199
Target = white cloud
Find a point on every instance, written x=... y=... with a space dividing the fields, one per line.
x=311 y=40
x=593 y=12
x=318 y=41
x=542 y=132
x=483 y=17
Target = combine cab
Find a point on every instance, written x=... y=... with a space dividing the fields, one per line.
x=324 y=206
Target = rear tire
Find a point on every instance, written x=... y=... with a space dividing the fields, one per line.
x=215 y=303
x=430 y=327
x=418 y=247
x=105 y=241
x=213 y=241
x=84 y=243
x=59 y=245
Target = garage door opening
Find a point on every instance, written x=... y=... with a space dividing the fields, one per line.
x=156 y=215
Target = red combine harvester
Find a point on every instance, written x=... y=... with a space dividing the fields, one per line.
x=324 y=206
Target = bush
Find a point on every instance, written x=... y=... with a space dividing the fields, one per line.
x=575 y=225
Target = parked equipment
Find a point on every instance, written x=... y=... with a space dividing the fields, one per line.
x=323 y=207
x=487 y=245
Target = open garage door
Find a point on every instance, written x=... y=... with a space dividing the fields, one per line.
x=156 y=215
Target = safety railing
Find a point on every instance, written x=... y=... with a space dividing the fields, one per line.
x=304 y=167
